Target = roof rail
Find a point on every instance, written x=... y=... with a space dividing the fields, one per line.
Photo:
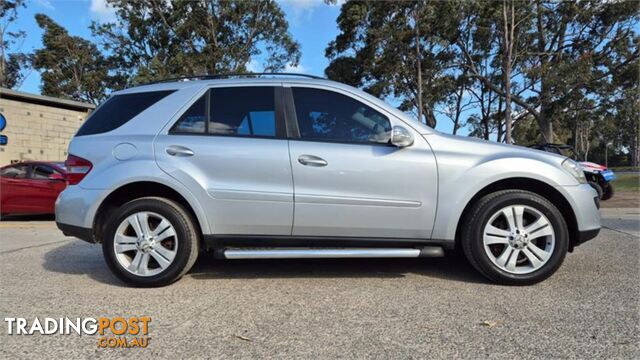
x=230 y=75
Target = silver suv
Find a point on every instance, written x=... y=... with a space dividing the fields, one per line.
x=294 y=167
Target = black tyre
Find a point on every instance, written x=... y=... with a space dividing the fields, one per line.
x=515 y=237
x=607 y=192
x=150 y=241
x=598 y=188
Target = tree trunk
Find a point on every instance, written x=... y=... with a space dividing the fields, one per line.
x=546 y=129
x=419 y=67
x=508 y=34
x=498 y=121
x=2 y=59
x=635 y=150
x=430 y=117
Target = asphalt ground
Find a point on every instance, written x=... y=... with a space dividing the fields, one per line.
x=392 y=308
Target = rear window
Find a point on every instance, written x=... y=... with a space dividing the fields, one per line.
x=119 y=109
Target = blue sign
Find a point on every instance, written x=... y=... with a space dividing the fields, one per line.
x=3 y=122
x=3 y=139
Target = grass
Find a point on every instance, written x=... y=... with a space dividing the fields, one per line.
x=627 y=182
x=624 y=168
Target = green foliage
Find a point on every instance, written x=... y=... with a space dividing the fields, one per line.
x=71 y=67
x=381 y=45
x=574 y=65
x=12 y=63
x=158 y=39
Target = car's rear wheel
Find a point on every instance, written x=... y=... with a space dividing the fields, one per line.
x=150 y=242
x=515 y=237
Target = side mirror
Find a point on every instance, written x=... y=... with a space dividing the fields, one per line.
x=401 y=137
x=56 y=177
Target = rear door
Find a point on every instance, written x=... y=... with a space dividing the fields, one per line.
x=229 y=148
x=349 y=181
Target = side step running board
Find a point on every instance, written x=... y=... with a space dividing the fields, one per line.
x=320 y=253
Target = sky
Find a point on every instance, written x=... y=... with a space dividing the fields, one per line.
x=311 y=22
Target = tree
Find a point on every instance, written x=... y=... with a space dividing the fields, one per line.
x=10 y=64
x=71 y=67
x=386 y=48
x=512 y=23
x=156 y=39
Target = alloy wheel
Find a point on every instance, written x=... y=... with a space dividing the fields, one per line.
x=145 y=243
x=519 y=239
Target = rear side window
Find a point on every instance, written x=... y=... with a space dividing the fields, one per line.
x=119 y=109
x=194 y=120
x=236 y=111
x=246 y=111
x=15 y=172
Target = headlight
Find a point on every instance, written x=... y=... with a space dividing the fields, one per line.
x=574 y=169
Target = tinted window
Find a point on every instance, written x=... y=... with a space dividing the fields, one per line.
x=119 y=109
x=328 y=116
x=243 y=111
x=194 y=120
x=42 y=172
x=15 y=172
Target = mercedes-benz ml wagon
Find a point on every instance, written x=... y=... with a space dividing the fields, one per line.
x=252 y=167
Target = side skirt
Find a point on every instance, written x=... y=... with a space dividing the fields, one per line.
x=218 y=242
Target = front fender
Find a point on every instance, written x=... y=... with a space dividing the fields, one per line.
x=458 y=185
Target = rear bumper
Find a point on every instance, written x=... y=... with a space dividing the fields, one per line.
x=77 y=206
x=81 y=233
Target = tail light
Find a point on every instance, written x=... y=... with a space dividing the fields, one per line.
x=77 y=168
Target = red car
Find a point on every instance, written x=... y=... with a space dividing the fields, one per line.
x=31 y=187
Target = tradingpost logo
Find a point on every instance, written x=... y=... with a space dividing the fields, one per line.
x=115 y=332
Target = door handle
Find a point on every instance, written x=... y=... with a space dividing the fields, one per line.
x=311 y=160
x=180 y=151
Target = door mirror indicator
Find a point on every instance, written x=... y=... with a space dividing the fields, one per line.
x=401 y=137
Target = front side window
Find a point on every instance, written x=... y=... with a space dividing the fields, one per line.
x=328 y=116
x=42 y=172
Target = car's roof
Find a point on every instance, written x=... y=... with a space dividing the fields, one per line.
x=180 y=84
x=274 y=80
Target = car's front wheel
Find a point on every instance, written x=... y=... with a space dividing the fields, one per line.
x=515 y=237
x=607 y=192
x=150 y=242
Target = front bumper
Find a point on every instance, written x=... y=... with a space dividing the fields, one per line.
x=584 y=236
x=584 y=203
x=584 y=206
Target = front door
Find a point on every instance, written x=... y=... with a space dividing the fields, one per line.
x=349 y=181
x=230 y=150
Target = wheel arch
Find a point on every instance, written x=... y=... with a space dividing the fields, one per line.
x=528 y=184
x=136 y=190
